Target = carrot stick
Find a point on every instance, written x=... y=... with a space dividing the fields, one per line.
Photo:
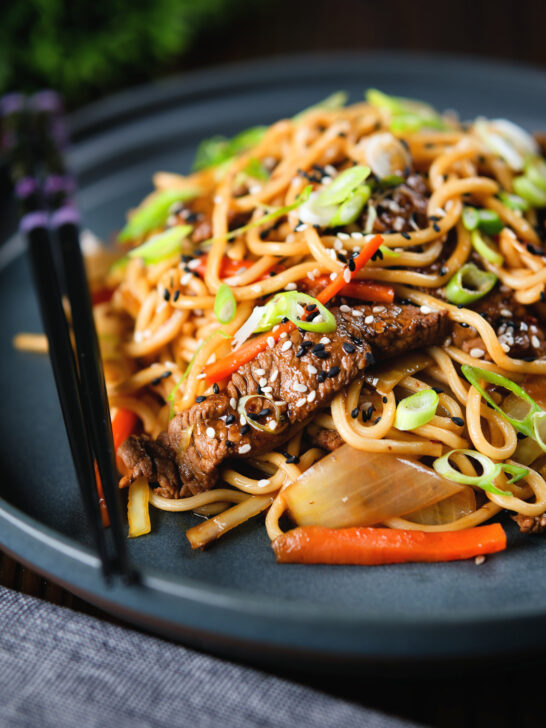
x=223 y=368
x=363 y=290
x=373 y=546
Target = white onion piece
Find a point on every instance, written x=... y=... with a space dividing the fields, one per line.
x=506 y=139
x=310 y=213
x=351 y=487
x=385 y=154
x=448 y=510
x=247 y=329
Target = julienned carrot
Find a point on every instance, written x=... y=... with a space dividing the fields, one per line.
x=223 y=368
x=230 y=267
x=363 y=290
x=374 y=546
x=123 y=425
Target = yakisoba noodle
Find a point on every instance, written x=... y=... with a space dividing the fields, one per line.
x=162 y=321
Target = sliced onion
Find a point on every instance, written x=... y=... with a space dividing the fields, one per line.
x=241 y=409
x=314 y=214
x=351 y=487
x=138 y=513
x=448 y=510
x=249 y=326
x=506 y=139
x=385 y=154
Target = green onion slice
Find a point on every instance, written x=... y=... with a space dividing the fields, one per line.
x=485 y=249
x=269 y=217
x=526 y=188
x=387 y=252
x=225 y=304
x=490 y=471
x=333 y=102
x=486 y=220
x=514 y=202
x=391 y=180
x=292 y=305
x=406 y=114
x=350 y=210
x=273 y=425
x=416 y=410
x=535 y=170
x=469 y=284
x=530 y=425
x=343 y=186
x=471 y=218
x=162 y=246
x=154 y=213
x=256 y=170
x=218 y=149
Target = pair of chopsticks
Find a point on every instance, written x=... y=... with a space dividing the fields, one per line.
x=34 y=136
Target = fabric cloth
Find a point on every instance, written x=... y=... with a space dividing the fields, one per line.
x=61 y=668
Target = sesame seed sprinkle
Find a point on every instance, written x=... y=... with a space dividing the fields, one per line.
x=244 y=449
x=325 y=340
x=233 y=403
x=345 y=308
x=270 y=342
x=356 y=313
x=259 y=372
x=297 y=387
x=311 y=396
x=263 y=382
x=535 y=341
x=210 y=432
x=368 y=320
x=301 y=402
x=286 y=346
x=477 y=353
x=347 y=275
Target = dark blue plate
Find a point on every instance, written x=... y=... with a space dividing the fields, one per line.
x=233 y=598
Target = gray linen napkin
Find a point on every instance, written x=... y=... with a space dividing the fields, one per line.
x=62 y=668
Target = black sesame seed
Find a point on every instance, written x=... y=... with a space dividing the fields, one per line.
x=434 y=218
x=230 y=419
x=260 y=390
x=436 y=228
x=321 y=377
x=438 y=390
x=245 y=429
x=201 y=398
x=252 y=416
x=322 y=354
x=311 y=307
x=377 y=419
x=457 y=421
x=463 y=324
x=293 y=459
x=307 y=343
x=285 y=320
x=166 y=294
x=264 y=412
x=342 y=258
x=352 y=265
x=356 y=340
x=300 y=352
x=405 y=235
x=176 y=295
x=384 y=400
x=520 y=435
x=333 y=372
x=370 y=359
x=229 y=443
x=348 y=347
x=354 y=413
x=215 y=388
x=317 y=347
x=312 y=315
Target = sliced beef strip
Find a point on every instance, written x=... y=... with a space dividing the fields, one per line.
x=405 y=204
x=531 y=524
x=513 y=323
x=328 y=440
x=301 y=372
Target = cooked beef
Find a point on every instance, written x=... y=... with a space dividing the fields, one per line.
x=300 y=373
x=153 y=460
x=531 y=524
x=519 y=331
x=328 y=440
x=402 y=208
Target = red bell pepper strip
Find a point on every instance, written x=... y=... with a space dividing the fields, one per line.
x=223 y=368
x=374 y=546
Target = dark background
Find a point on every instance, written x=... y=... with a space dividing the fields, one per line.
x=88 y=50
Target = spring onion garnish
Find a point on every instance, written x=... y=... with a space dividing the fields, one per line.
x=488 y=221
x=416 y=410
x=506 y=139
x=342 y=187
x=162 y=246
x=469 y=284
x=387 y=252
x=392 y=180
x=225 y=305
x=530 y=425
x=535 y=169
x=490 y=471
x=333 y=102
x=218 y=149
x=526 y=188
x=406 y=114
x=269 y=217
x=485 y=249
x=351 y=209
x=256 y=170
x=293 y=305
x=254 y=420
x=514 y=202
x=154 y=213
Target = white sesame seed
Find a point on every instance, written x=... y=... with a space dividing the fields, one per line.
x=479 y=560
x=357 y=236
x=210 y=432
x=523 y=326
x=347 y=275
x=378 y=309
x=297 y=387
x=259 y=372
x=242 y=420
x=356 y=313
x=283 y=335
x=311 y=396
x=477 y=353
x=311 y=369
x=425 y=309
x=333 y=276
x=267 y=390
x=186 y=278
x=200 y=376
x=290 y=287
x=194 y=264
x=275 y=327
x=286 y=346
x=345 y=308
x=344 y=236
x=233 y=403
x=270 y=342
x=332 y=253
x=301 y=402
x=263 y=483
x=271 y=425
x=244 y=449
x=326 y=180
x=533 y=329
x=535 y=341
x=506 y=312
x=338 y=245
x=331 y=170
x=368 y=320
x=273 y=377
x=325 y=340
x=263 y=382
